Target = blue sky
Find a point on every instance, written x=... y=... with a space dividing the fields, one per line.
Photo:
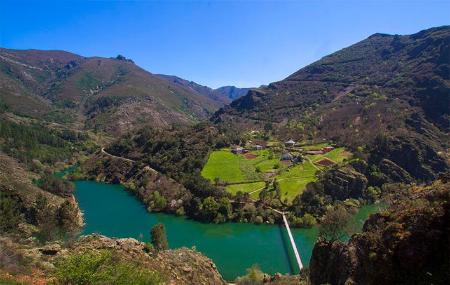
x=215 y=43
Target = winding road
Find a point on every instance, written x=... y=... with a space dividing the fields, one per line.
x=126 y=159
x=119 y=157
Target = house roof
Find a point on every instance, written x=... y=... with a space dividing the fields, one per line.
x=286 y=155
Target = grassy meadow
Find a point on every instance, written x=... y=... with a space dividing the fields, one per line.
x=248 y=172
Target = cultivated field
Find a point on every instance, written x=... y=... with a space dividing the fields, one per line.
x=248 y=172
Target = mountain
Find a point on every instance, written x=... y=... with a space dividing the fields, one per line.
x=224 y=94
x=109 y=94
x=389 y=89
x=231 y=92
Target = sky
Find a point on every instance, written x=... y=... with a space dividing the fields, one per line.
x=214 y=43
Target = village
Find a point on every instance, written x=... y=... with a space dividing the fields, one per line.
x=268 y=164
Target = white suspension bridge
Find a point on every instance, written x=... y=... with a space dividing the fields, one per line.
x=291 y=238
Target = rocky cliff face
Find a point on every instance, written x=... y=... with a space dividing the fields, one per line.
x=344 y=183
x=178 y=266
x=409 y=244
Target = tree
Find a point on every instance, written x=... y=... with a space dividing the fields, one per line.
x=335 y=224
x=157 y=201
x=308 y=220
x=66 y=214
x=254 y=276
x=159 y=238
x=276 y=188
x=225 y=207
x=210 y=207
x=10 y=215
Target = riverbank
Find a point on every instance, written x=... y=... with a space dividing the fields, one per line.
x=110 y=210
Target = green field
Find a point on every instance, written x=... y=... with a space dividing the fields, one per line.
x=251 y=173
x=230 y=167
x=247 y=187
x=224 y=165
x=293 y=181
x=337 y=155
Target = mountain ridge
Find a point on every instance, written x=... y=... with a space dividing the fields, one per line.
x=224 y=94
x=109 y=94
x=392 y=86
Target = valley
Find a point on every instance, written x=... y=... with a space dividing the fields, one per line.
x=104 y=161
x=111 y=211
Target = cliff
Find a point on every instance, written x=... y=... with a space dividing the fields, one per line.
x=408 y=244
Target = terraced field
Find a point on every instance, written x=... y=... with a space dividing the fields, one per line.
x=248 y=172
x=252 y=187
x=293 y=181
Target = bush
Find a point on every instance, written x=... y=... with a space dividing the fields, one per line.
x=309 y=221
x=157 y=202
x=254 y=277
x=102 y=268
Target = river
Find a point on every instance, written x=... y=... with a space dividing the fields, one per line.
x=112 y=211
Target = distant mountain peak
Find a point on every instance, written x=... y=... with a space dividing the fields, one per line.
x=223 y=95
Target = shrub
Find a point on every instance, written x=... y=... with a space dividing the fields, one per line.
x=309 y=221
x=101 y=268
x=157 y=201
x=254 y=276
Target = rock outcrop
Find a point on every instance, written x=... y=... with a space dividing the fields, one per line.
x=175 y=266
x=409 y=244
x=179 y=266
x=344 y=183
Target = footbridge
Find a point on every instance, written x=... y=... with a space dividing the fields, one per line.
x=291 y=238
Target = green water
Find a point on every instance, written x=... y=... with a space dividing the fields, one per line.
x=111 y=211
x=67 y=170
